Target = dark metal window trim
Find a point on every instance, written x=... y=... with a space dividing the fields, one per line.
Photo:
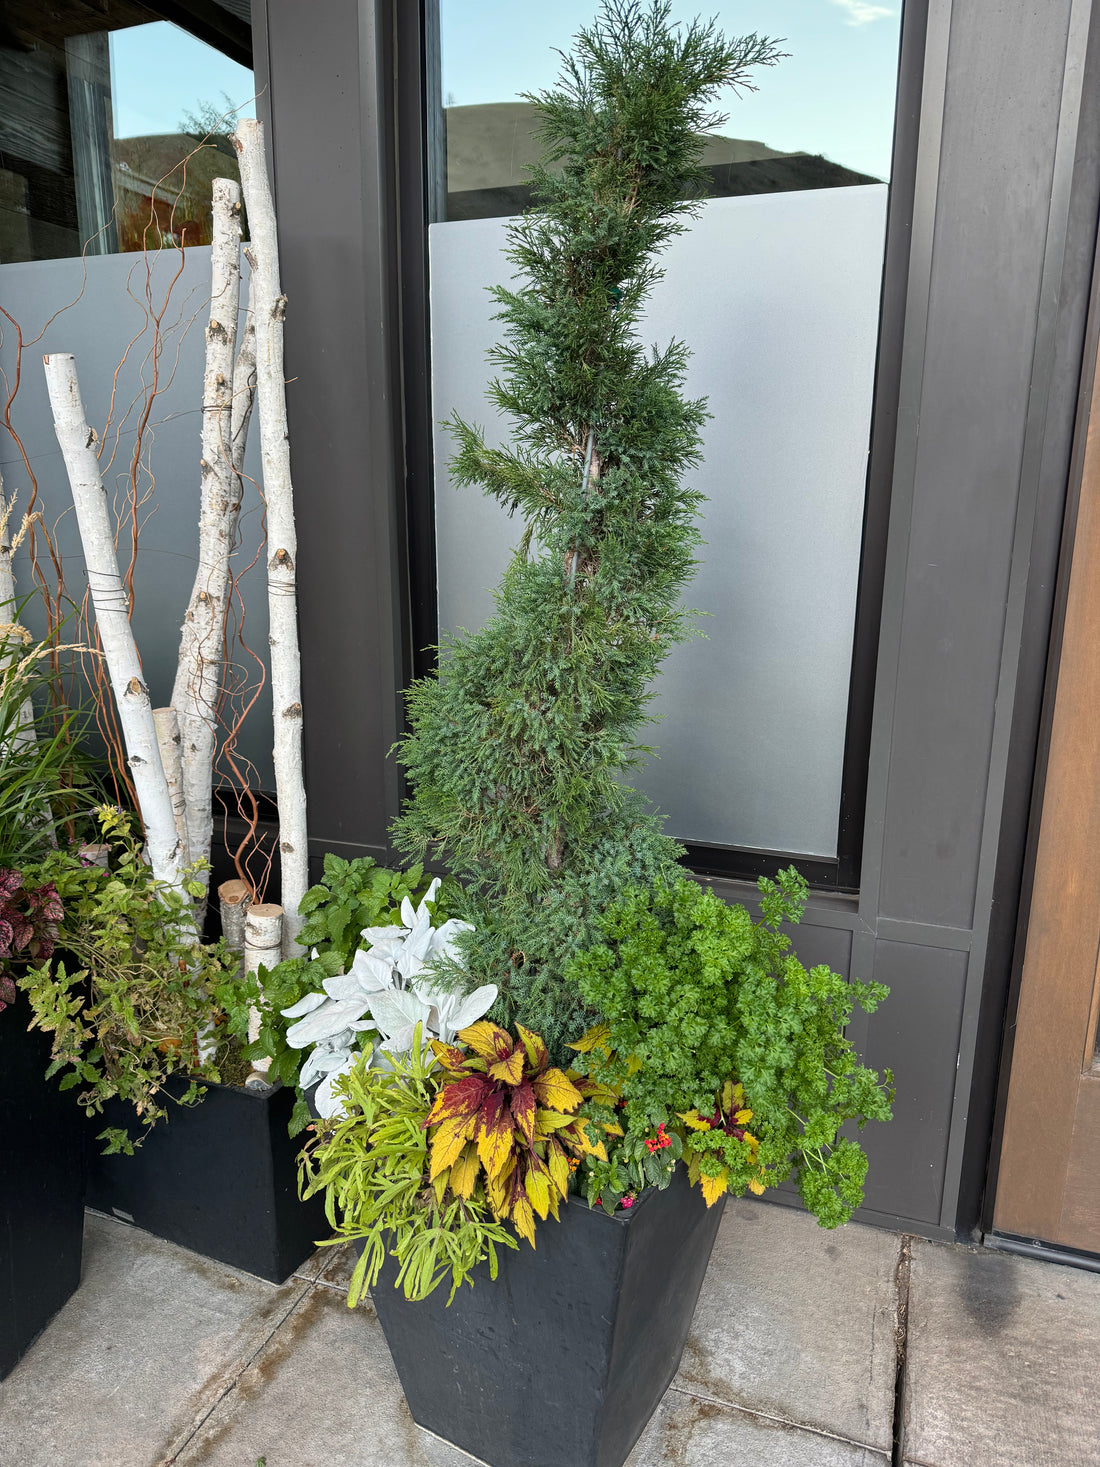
x=419 y=151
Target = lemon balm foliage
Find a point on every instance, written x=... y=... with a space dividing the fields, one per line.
x=517 y=747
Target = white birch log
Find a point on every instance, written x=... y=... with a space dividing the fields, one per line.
x=9 y=618
x=268 y=307
x=263 y=944
x=244 y=395
x=233 y=898
x=168 y=742
x=199 y=669
x=135 y=712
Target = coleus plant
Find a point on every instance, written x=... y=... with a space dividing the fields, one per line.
x=28 y=924
x=506 y=1118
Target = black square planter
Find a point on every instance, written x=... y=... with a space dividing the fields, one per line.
x=41 y=1187
x=560 y=1361
x=218 y=1178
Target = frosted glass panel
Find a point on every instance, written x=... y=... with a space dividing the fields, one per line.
x=778 y=297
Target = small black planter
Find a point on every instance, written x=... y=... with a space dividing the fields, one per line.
x=41 y=1187
x=218 y=1178
x=563 y=1359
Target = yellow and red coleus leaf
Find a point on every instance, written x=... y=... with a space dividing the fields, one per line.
x=448 y=1142
x=523 y=1218
x=524 y=1110
x=452 y=1059
x=555 y=1090
x=600 y=1036
x=509 y=1071
x=487 y=1039
x=537 y=1186
x=594 y=1090
x=464 y=1172
x=713 y=1187
x=538 y=1056
x=495 y=1132
x=463 y=1097
x=558 y=1165
x=549 y=1121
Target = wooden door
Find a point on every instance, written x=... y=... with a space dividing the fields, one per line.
x=1048 y=1186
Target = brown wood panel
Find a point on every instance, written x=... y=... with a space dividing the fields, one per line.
x=1081 y=1197
x=1050 y=1154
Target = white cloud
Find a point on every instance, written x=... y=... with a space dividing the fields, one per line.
x=860 y=11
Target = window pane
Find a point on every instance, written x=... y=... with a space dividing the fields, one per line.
x=776 y=290
x=824 y=118
x=103 y=134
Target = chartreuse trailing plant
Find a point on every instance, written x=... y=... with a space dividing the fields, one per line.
x=517 y=747
x=712 y=1027
x=373 y=1164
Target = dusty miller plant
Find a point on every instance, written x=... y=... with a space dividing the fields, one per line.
x=518 y=746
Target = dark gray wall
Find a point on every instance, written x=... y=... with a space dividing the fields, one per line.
x=1003 y=227
x=325 y=68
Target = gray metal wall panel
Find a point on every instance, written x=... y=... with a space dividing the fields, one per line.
x=916 y=1033
x=334 y=223
x=991 y=222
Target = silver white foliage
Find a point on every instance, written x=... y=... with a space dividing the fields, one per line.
x=388 y=989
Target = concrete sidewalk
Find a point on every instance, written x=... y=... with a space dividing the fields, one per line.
x=857 y=1348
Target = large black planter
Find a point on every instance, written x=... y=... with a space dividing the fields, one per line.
x=218 y=1178
x=563 y=1359
x=41 y=1187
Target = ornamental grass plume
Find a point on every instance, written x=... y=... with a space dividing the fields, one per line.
x=517 y=748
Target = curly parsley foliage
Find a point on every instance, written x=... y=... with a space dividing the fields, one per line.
x=695 y=995
x=517 y=748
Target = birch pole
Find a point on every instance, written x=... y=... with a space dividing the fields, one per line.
x=268 y=307
x=199 y=669
x=263 y=946
x=9 y=609
x=112 y=610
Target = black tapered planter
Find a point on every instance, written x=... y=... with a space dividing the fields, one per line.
x=41 y=1187
x=218 y=1178
x=560 y=1361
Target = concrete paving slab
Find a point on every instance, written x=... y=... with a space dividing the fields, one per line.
x=153 y=1336
x=691 y=1432
x=1002 y=1361
x=323 y=1393
x=799 y=1323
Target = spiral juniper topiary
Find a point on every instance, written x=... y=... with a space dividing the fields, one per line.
x=517 y=747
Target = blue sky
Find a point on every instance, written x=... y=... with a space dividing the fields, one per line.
x=833 y=95
x=159 y=72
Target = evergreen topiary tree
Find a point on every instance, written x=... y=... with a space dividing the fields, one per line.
x=518 y=745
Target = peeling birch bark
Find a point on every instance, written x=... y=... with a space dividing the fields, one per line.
x=268 y=306
x=199 y=669
x=263 y=944
x=244 y=395
x=135 y=712
x=25 y=731
x=168 y=742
